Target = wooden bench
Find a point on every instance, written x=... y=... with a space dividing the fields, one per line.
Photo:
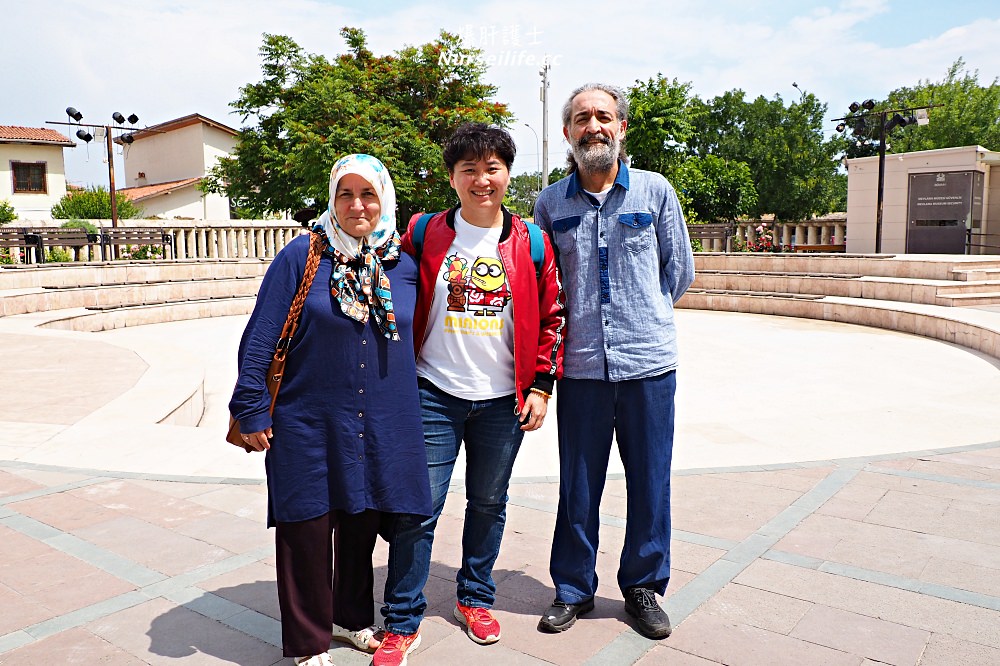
x=73 y=238
x=819 y=248
x=22 y=239
x=116 y=237
x=713 y=231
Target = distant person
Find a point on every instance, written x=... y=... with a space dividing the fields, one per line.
x=625 y=259
x=488 y=332
x=345 y=446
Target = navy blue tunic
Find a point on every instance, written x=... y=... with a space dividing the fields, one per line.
x=347 y=430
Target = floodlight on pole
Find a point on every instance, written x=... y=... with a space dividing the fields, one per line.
x=885 y=126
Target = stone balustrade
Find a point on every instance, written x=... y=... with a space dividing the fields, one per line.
x=202 y=239
x=827 y=230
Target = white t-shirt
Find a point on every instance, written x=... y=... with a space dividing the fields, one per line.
x=468 y=350
x=600 y=196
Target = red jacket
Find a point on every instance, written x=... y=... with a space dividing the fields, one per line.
x=539 y=306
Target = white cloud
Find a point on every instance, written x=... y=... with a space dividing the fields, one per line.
x=162 y=59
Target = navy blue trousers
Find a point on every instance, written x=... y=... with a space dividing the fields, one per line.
x=639 y=414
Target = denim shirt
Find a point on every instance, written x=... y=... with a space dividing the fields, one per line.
x=624 y=264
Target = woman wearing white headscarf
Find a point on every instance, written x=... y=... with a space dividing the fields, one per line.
x=345 y=446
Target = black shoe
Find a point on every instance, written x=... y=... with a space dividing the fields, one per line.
x=650 y=620
x=560 y=616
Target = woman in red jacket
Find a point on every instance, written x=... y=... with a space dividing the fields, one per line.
x=488 y=331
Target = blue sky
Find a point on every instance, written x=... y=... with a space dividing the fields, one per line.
x=163 y=59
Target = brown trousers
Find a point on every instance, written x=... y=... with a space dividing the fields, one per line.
x=321 y=583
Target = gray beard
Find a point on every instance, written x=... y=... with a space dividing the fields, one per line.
x=596 y=157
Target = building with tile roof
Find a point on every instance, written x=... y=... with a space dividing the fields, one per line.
x=32 y=169
x=165 y=162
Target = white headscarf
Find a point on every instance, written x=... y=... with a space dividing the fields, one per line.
x=373 y=171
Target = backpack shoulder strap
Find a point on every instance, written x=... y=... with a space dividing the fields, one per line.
x=419 y=229
x=537 y=244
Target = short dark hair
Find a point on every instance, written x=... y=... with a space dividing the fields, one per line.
x=479 y=141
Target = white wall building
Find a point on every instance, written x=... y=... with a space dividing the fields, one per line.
x=933 y=201
x=165 y=162
x=32 y=170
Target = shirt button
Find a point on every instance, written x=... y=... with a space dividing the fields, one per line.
x=605 y=322
x=361 y=457
x=364 y=342
x=602 y=234
x=361 y=435
x=362 y=365
x=361 y=415
x=361 y=390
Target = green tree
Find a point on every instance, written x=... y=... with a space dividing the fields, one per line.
x=792 y=165
x=712 y=189
x=660 y=124
x=94 y=204
x=309 y=111
x=969 y=115
x=7 y=212
x=522 y=192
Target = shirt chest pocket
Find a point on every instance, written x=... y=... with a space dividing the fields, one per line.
x=636 y=230
x=564 y=232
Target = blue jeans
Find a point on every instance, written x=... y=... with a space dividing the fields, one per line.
x=492 y=436
x=640 y=413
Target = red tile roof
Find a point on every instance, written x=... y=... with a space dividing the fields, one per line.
x=177 y=123
x=16 y=134
x=147 y=191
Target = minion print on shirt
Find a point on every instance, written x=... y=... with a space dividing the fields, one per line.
x=487 y=289
x=476 y=289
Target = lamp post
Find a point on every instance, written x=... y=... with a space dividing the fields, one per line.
x=537 y=156
x=860 y=127
x=544 y=73
x=87 y=137
x=802 y=94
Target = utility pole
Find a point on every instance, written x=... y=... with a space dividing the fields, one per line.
x=544 y=73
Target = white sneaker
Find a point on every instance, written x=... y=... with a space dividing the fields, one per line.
x=361 y=639
x=322 y=659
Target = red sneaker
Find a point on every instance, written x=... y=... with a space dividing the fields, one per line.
x=394 y=648
x=479 y=623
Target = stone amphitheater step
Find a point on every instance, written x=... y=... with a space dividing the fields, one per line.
x=976 y=329
x=95 y=296
x=932 y=292
x=920 y=267
x=93 y=320
x=20 y=276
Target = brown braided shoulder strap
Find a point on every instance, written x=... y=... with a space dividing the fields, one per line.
x=317 y=243
x=275 y=372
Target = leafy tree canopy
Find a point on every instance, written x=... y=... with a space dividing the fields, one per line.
x=712 y=189
x=792 y=164
x=94 y=203
x=309 y=111
x=768 y=157
x=970 y=114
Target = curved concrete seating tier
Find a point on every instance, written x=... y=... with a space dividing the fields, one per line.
x=934 y=296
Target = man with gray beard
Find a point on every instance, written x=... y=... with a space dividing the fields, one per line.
x=623 y=249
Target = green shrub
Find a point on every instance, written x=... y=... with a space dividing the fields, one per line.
x=80 y=224
x=93 y=204
x=7 y=213
x=58 y=255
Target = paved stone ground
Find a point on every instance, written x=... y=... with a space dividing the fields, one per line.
x=889 y=559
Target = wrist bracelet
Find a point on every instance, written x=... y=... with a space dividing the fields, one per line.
x=540 y=392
